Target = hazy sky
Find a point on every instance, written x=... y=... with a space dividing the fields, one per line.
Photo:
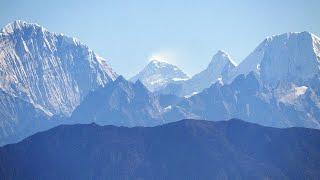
x=186 y=33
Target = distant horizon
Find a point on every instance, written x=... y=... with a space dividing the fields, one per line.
x=129 y=34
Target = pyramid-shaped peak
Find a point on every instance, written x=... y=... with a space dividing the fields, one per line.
x=158 y=73
x=222 y=53
x=222 y=57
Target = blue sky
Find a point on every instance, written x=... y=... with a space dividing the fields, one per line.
x=184 y=32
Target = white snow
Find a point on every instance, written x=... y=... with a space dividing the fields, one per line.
x=192 y=94
x=34 y=72
x=168 y=108
x=217 y=70
x=220 y=80
x=293 y=94
x=179 y=79
x=289 y=56
x=248 y=110
x=157 y=74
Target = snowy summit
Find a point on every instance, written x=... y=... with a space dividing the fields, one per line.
x=157 y=74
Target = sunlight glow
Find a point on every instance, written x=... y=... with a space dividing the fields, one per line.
x=164 y=56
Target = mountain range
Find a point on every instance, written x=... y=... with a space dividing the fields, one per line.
x=188 y=149
x=274 y=86
x=249 y=99
x=218 y=70
x=49 y=79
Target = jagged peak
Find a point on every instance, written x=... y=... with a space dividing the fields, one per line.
x=286 y=37
x=221 y=55
x=19 y=25
x=121 y=84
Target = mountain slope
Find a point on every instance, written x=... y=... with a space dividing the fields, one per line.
x=120 y=103
x=218 y=70
x=19 y=119
x=157 y=74
x=47 y=69
x=187 y=149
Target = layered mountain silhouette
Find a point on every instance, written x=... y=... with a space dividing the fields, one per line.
x=188 y=149
x=120 y=103
x=272 y=86
x=249 y=99
x=47 y=79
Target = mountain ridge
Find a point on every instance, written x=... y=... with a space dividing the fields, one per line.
x=217 y=70
x=285 y=57
x=120 y=103
x=185 y=149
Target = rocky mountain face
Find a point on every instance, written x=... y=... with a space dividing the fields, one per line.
x=249 y=99
x=218 y=70
x=158 y=74
x=120 y=103
x=43 y=75
x=49 y=70
x=188 y=149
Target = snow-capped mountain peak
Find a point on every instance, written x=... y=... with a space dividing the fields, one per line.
x=49 y=70
x=23 y=27
x=18 y=25
x=158 y=73
x=157 y=63
x=289 y=57
x=217 y=70
x=219 y=61
x=221 y=57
